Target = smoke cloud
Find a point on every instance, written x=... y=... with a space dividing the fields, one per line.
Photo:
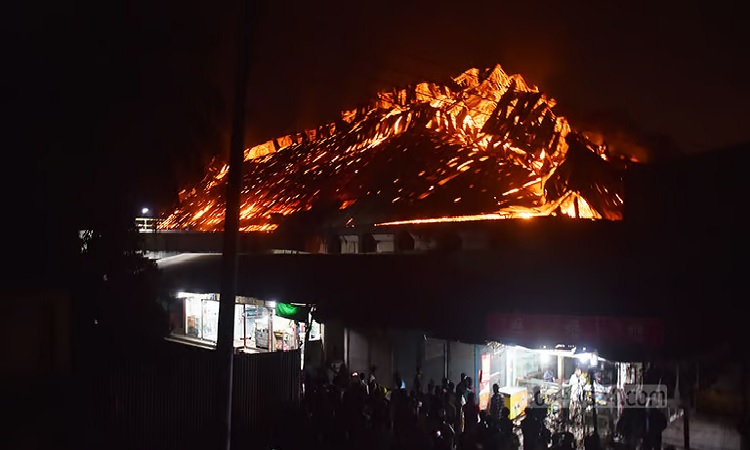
x=624 y=137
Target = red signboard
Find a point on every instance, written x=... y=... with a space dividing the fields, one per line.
x=484 y=382
x=575 y=330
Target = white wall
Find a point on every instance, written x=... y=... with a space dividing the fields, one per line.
x=349 y=244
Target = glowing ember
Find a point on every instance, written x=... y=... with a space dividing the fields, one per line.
x=485 y=147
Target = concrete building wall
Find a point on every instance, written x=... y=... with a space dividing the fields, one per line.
x=349 y=244
x=433 y=364
x=381 y=356
x=385 y=243
x=424 y=243
x=462 y=359
x=357 y=350
x=333 y=341
x=406 y=354
x=365 y=348
x=402 y=351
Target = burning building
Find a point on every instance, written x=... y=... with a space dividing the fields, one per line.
x=484 y=146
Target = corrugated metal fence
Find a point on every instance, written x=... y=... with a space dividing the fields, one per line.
x=170 y=401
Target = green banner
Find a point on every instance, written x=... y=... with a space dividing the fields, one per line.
x=292 y=312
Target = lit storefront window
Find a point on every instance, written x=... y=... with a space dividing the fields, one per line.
x=315 y=331
x=210 y=320
x=257 y=325
x=193 y=314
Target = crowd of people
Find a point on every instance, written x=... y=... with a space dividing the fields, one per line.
x=356 y=410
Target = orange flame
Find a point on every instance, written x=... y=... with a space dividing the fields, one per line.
x=483 y=148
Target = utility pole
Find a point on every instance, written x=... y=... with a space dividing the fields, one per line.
x=745 y=389
x=225 y=344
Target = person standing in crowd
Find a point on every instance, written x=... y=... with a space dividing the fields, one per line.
x=471 y=411
x=531 y=429
x=496 y=403
x=471 y=419
x=504 y=424
x=449 y=405
x=460 y=402
x=468 y=388
x=594 y=442
x=461 y=389
x=577 y=384
x=445 y=435
x=371 y=379
x=656 y=423
x=417 y=386
x=398 y=382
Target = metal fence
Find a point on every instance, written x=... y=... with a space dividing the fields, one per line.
x=170 y=401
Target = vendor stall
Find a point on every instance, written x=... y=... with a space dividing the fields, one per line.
x=576 y=387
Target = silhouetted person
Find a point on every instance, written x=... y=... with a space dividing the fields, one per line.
x=469 y=384
x=593 y=442
x=436 y=401
x=460 y=402
x=486 y=431
x=496 y=403
x=342 y=377
x=372 y=379
x=564 y=440
x=531 y=429
x=363 y=383
x=417 y=386
x=504 y=424
x=449 y=407
x=398 y=381
x=471 y=418
x=656 y=423
x=445 y=435
x=632 y=426
x=539 y=404
x=471 y=411
x=461 y=389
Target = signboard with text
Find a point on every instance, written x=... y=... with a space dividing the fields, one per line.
x=575 y=330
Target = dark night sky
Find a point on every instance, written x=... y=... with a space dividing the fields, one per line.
x=129 y=100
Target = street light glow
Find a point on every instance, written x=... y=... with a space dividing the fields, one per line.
x=144 y=211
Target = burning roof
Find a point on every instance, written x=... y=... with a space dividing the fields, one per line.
x=485 y=146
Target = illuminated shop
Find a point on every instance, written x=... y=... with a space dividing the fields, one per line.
x=521 y=371
x=259 y=325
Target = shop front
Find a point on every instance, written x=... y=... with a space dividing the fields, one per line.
x=567 y=382
x=578 y=390
x=259 y=325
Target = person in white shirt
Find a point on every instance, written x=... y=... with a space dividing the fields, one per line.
x=577 y=383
